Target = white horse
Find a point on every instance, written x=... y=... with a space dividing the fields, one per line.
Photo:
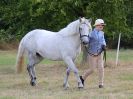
x=63 y=45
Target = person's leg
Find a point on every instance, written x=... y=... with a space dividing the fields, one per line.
x=92 y=66
x=100 y=70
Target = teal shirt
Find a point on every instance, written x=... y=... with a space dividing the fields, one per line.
x=96 y=41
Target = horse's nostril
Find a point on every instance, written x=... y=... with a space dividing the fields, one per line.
x=85 y=43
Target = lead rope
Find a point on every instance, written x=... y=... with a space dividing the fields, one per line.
x=105 y=58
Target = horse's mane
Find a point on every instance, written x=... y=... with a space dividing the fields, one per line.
x=69 y=29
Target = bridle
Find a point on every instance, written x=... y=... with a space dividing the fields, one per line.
x=80 y=29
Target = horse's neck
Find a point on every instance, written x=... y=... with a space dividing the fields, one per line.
x=71 y=34
x=71 y=29
x=74 y=41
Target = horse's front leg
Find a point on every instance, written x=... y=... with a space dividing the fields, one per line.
x=66 y=85
x=72 y=66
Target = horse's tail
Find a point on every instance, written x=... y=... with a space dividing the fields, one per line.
x=20 y=58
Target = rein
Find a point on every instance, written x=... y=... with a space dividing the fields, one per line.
x=104 y=58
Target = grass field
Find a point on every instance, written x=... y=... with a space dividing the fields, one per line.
x=50 y=76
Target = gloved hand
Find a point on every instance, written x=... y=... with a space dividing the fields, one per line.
x=104 y=47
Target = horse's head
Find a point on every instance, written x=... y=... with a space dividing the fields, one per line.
x=84 y=29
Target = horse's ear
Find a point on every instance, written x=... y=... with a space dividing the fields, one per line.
x=80 y=19
x=90 y=20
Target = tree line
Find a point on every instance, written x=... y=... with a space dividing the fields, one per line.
x=17 y=17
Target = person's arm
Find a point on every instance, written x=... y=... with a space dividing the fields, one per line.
x=103 y=40
x=104 y=43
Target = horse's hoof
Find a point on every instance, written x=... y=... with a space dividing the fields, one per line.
x=80 y=86
x=101 y=86
x=65 y=86
x=32 y=83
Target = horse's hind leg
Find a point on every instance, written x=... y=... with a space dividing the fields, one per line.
x=33 y=59
x=33 y=78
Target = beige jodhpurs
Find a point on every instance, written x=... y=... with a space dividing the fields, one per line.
x=95 y=61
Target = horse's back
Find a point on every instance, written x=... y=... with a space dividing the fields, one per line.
x=39 y=32
x=44 y=42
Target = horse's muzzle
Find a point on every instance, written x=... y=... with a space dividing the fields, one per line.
x=85 y=43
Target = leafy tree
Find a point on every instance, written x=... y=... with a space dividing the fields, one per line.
x=17 y=17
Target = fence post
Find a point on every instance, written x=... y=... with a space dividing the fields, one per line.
x=118 y=47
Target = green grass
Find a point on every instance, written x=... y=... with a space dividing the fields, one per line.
x=9 y=58
x=127 y=77
x=50 y=76
x=124 y=55
x=8 y=97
